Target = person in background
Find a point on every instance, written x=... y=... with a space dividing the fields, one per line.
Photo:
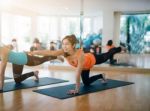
x=109 y=46
x=52 y=46
x=14 y=44
x=96 y=47
x=36 y=45
x=58 y=43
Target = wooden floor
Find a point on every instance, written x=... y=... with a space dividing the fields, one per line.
x=135 y=97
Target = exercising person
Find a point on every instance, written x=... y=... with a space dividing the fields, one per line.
x=82 y=61
x=18 y=60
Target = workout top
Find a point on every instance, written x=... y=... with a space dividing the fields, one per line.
x=19 y=58
x=89 y=60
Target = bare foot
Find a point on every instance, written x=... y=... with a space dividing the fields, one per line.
x=123 y=49
x=36 y=74
x=104 y=80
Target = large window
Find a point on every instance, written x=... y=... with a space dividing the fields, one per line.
x=47 y=28
x=15 y=26
x=86 y=27
x=70 y=25
x=97 y=24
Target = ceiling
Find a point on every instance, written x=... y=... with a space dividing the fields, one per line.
x=73 y=7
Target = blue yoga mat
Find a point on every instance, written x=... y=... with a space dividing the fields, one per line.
x=29 y=83
x=121 y=64
x=61 y=91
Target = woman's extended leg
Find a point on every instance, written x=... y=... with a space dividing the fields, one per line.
x=88 y=80
x=18 y=76
x=32 y=61
x=108 y=55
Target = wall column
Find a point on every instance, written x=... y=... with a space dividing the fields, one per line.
x=33 y=33
x=108 y=26
x=116 y=37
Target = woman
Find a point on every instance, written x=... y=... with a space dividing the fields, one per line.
x=82 y=61
x=109 y=46
x=18 y=60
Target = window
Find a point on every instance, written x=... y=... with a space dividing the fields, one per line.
x=70 y=25
x=16 y=26
x=47 y=29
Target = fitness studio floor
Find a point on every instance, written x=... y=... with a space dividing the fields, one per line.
x=133 y=97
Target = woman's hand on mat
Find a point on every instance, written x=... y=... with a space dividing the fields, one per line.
x=76 y=90
x=73 y=92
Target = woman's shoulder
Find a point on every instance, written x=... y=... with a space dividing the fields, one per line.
x=80 y=52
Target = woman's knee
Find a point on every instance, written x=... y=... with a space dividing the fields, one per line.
x=17 y=80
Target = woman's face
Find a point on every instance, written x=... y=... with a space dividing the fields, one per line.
x=67 y=46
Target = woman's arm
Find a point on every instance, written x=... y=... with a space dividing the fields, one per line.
x=47 y=52
x=78 y=74
x=2 y=71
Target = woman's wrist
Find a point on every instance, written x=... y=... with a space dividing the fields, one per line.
x=77 y=87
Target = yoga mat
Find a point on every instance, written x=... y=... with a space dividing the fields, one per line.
x=122 y=64
x=61 y=91
x=29 y=83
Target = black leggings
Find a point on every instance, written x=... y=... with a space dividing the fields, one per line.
x=32 y=61
x=99 y=59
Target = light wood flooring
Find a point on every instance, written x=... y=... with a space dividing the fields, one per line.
x=135 y=97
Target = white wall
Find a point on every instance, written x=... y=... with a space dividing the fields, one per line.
x=111 y=12
x=117 y=5
x=108 y=26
